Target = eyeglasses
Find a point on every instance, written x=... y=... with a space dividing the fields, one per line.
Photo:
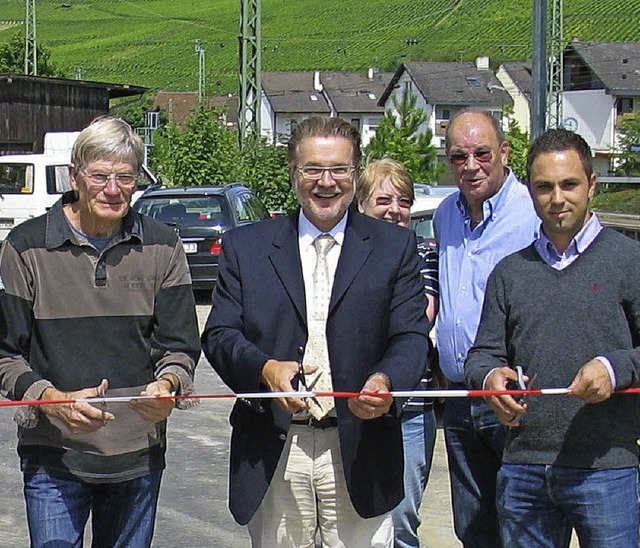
x=315 y=173
x=481 y=156
x=385 y=201
x=123 y=180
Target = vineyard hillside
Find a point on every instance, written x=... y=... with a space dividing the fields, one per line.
x=151 y=42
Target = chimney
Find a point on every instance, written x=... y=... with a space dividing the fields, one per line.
x=370 y=73
x=482 y=63
x=317 y=84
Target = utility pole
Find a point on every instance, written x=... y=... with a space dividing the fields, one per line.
x=556 y=66
x=250 y=51
x=30 y=58
x=538 y=69
x=201 y=71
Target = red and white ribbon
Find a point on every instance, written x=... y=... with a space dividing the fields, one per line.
x=433 y=394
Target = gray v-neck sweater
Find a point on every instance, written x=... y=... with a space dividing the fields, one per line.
x=551 y=322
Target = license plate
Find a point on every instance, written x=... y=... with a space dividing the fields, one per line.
x=190 y=247
x=6 y=223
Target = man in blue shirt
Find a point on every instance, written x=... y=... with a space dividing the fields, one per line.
x=490 y=217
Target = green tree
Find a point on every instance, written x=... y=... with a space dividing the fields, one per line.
x=12 y=58
x=518 y=145
x=399 y=137
x=264 y=169
x=629 y=145
x=206 y=152
x=134 y=111
x=203 y=153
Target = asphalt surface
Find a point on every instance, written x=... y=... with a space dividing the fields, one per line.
x=192 y=511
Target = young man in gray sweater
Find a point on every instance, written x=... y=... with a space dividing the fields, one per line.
x=567 y=310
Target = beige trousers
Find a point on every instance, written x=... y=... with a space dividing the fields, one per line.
x=308 y=497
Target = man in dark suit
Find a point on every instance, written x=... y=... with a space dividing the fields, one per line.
x=335 y=469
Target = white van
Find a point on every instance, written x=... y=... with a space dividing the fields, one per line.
x=31 y=183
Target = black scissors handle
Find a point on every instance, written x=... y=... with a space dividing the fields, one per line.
x=521 y=385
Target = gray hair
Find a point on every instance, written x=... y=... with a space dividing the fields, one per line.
x=108 y=138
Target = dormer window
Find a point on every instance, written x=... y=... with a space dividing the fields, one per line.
x=473 y=82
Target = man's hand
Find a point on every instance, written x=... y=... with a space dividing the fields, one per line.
x=278 y=377
x=157 y=410
x=592 y=383
x=78 y=417
x=367 y=407
x=506 y=407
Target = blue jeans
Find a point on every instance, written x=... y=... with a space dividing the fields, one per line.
x=475 y=440
x=123 y=514
x=540 y=504
x=418 y=437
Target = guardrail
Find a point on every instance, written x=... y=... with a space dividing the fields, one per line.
x=606 y=182
x=629 y=225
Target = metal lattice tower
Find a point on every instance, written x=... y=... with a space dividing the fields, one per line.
x=30 y=57
x=250 y=58
x=201 y=70
x=555 y=79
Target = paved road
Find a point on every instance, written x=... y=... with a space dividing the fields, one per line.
x=193 y=500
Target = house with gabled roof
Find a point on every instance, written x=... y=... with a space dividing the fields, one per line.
x=289 y=97
x=442 y=88
x=515 y=77
x=601 y=84
x=179 y=106
x=354 y=96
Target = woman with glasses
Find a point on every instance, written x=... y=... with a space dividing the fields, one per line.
x=385 y=191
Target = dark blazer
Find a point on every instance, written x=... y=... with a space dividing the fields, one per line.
x=376 y=323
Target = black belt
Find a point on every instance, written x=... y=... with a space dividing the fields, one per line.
x=324 y=422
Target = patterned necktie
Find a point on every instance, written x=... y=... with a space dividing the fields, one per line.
x=316 y=352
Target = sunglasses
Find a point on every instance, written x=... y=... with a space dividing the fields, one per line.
x=403 y=202
x=460 y=158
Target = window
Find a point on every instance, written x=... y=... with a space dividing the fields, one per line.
x=355 y=122
x=58 y=179
x=443 y=113
x=248 y=208
x=16 y=178
x=625 y=105
x=473 y=82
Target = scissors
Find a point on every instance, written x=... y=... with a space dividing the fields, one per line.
x=521 y=385
x=308 y=387
x=103 y=405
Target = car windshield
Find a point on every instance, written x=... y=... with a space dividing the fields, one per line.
x=186 y=210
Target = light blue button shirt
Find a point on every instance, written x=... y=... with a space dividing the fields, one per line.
x=467 y=257
x=583 y=239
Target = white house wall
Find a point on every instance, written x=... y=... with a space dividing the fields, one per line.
x=521 y=111
x=594 y=114
x=421 y=103
x=266 y=119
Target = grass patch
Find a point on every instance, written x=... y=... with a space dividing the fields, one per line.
x=150 y=42
x=621 y=201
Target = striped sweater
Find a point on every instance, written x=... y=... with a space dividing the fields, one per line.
x=71 y=316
